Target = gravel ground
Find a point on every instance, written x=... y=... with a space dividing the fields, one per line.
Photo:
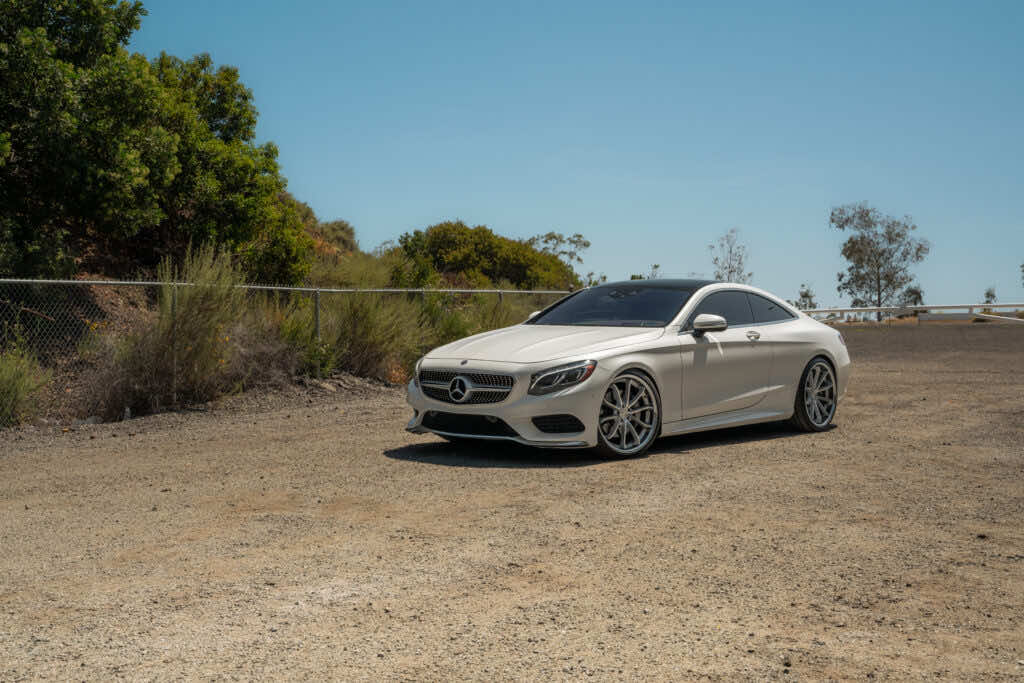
x=306 y=535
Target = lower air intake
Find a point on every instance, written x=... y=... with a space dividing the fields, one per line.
x=558 y=424
x=470 y=425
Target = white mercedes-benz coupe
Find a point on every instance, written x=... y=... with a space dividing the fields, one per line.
x=618 y=365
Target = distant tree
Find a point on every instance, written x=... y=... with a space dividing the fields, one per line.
x=911 y=296
x=653 y=274
x=805 y=300
x=567 y=248
x=990 y=295
x=591 y=279
x=729 y=258
x=457 y=254
x=339 y=233
x=880 y=252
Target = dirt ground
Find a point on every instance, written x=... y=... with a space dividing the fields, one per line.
x=308 y=536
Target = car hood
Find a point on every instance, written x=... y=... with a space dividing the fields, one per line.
x=539 y=343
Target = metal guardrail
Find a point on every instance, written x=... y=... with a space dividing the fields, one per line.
x=910 y=309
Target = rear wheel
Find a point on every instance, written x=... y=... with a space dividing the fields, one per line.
x=630 y=416
x=816 y=397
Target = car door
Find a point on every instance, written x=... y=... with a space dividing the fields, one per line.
x=727 y=370
x=780 y=332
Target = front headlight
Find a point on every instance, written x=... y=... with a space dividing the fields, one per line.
x=551 y=380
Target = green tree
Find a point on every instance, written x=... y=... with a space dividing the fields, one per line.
x=339 y=234
x=459 y=255
x=990 y=295
x=110 y=162
x=880 y=252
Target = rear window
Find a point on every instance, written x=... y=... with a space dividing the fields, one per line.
x=767 y=311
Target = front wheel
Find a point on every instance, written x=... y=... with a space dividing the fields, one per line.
x=630 y=416
x=816 y=397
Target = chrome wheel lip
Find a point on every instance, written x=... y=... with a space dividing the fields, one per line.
x=820 y=394
x=629 y=416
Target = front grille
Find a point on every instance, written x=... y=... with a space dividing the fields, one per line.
x=471 y=425
x=487 y=387
x=482 y=378
x=558 y=424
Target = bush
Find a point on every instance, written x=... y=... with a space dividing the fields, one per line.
x=476 y=257
x=21 y=377
x=374 y=335
x=204 y=341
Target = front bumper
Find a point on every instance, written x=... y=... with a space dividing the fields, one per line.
x=519 y=408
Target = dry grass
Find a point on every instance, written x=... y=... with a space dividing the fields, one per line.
x=21 y=378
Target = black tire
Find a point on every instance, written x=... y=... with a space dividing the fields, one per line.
x=809 y=416
x=611 y=450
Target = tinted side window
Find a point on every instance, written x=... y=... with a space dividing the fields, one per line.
x=732 y=306
x=766 y=311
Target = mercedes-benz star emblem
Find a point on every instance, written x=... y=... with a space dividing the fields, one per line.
x=460 y=389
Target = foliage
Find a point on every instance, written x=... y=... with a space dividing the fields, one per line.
x=183 y=353
x=567 y=248
x=880 y=252
x=21 y=377
x=990 y=295
x=653 y=274
x=805 y=300
x=111 y=162
x=911 y=296
x=460 y=255
x=371 y=335
x=729 y=258
x=339 y=234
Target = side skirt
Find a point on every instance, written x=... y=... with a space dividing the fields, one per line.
x=707 y=422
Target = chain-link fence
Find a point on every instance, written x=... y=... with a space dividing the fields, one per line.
x=103 y=350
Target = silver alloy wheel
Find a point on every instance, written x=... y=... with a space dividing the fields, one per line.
x=820 y=394
x=629 y=418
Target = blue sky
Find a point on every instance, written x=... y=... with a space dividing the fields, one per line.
x=650 y=127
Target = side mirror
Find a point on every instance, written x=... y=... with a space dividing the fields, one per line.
x=705 y=322
x=532 y=315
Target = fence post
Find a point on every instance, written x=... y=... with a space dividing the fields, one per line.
x=174 y=345
x=316 y=327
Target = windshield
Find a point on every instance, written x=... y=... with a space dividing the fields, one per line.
x=622 y=305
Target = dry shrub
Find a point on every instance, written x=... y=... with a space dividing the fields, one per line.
x=369 y=334
x=204 y=341
x=21 y=377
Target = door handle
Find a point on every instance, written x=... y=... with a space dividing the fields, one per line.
x=753 y=335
